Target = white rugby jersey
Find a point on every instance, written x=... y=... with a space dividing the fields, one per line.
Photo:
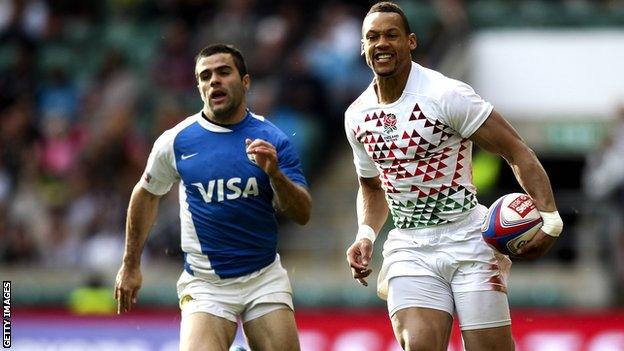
x=418 y=146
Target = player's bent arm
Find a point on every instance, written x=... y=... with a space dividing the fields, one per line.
x=496 y=135
x=294 y=200
x=141 y=215
x=372 y=208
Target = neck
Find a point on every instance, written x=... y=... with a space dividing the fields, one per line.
x=232 y=118
x=390 y=89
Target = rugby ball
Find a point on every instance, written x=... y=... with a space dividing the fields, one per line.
x=511 y=222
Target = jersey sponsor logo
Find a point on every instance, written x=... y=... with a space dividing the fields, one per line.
x=184 y=157
x=220 y=190
x=147 y=177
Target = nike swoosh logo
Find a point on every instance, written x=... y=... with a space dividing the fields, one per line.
x=184 y=157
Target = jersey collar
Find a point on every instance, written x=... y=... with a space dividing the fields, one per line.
x=220 y=128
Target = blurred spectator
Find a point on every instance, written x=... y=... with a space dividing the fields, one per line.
x=174 y=64
x=94 y=298
x=192 y=12
x=115 y=92
x=25 y=19
x=60 y=146
x=58 y=97
x=234 y=24
x=116 y=156
x=604 y=172
x=163 y=243
x=19 y=247
x=28 y=222
x=603 y=184
x=18 y=137
x=333 y=52
x=19 y=81
x=61 y=248
x=169 y=112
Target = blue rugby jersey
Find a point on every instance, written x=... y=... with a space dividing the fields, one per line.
x=228 y=223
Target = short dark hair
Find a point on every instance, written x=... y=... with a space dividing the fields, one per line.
x=389 y=6
x=214 y=49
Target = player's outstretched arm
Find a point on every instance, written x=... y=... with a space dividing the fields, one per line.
x=141 y=215
x=372 y=211
x=496 y=135
x=294 y=200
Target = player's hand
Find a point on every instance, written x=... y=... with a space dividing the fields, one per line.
x=538 y=246
x=359 y=256
x=264 y=154
x=127 y=285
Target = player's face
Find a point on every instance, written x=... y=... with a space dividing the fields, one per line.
x=386 y=44
x=220 y=85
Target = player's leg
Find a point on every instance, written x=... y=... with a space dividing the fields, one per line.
x=479 y=287
x=421 y=309
x=209 y=314
x=417 y=328
x=489 y=339
x=484 y=320
x=268 y=319
x=274 y=329
x=206 y=332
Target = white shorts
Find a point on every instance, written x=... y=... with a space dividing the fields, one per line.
x=248 y=297
x=451 y=268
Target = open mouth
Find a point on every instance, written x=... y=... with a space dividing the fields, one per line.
x=383 y=57
x=218 y=96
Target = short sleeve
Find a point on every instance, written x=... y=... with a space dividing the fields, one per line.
x=463 y=110
x=289 y=162
x=364 y=166
x=160 y=173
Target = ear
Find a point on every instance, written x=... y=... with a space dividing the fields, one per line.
x=246 y=82
x=362 y=47
x=412 y=41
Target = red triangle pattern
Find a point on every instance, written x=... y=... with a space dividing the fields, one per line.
x=463 y=146
x=431 y=169
x=390 y=188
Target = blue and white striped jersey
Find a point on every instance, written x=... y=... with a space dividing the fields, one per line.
x=228 y=223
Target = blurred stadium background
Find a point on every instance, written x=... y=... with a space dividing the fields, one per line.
x=85 y=87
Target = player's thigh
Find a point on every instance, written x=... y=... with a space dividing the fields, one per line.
x=204 y=331
x=420 y=328
x=421 y=309
x=275 y=330
x=484 y=320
